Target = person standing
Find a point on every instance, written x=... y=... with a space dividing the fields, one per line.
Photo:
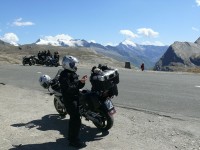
x=70 y=85
x=39 y=55
x=142 y=66
x=56 y=56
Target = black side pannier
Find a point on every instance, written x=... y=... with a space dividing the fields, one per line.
x=104 y=80
x=90 y=100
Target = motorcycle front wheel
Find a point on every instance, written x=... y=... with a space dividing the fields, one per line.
x=56 y=65
x=23 y=62
x=33 y=62
x=60 y=109
x=105 y=121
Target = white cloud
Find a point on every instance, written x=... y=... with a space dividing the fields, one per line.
x=10 y=38
x=156 y=43
x=195 y=29
x=147 y=32
x=128 y=33
x=198 y=2
x=19 y=22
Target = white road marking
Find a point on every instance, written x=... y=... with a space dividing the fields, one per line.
x=197 y=86
x=39 y=72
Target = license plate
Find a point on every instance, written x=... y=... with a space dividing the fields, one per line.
x=109 y=104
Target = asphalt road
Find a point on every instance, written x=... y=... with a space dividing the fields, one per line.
x=165 y=93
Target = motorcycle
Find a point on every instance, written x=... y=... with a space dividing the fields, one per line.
x=28 y=60
x=38 y=61
x=51 y=62
x=94 y=106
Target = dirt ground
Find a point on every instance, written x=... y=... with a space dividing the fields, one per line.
x=28 y=121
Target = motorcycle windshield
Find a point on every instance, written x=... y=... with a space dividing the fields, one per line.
x=58 y=73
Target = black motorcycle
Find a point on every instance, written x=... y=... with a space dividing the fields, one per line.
x=95 y=106
x=28 y=60
x=51 y=62
x=38 y=61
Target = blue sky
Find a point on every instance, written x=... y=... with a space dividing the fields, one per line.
x=157 y=22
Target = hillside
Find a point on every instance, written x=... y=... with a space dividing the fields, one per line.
x=14 y=54
x=125 y=51
x=180 y=56
x=87 y=52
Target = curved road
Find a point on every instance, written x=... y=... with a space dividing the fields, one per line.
x=163 y=93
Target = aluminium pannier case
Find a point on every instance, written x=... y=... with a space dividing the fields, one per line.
x=105 y=80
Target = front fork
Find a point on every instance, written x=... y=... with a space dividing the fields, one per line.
x=59 y=100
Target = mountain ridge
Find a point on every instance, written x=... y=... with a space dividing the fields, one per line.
x=180 y=56
x=124 y=51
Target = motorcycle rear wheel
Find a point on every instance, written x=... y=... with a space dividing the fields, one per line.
x=106 y=121
x=60 y=109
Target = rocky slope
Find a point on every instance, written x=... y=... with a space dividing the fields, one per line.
x=180 y=56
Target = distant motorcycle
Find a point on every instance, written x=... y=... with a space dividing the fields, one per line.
x=51 y=62
x=94 y=106
x=38 y=61
x=28 y=60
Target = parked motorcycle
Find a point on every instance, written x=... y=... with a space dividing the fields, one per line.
x=28 y=60
x=95 y=106
x=38 y=61
x=51 y=62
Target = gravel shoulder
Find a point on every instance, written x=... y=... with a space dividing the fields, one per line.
x=28 y=121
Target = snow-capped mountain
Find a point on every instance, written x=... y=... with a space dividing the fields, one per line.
x=9 y=43
x=14 y=43
x=63 y=42
x=137 y=54
x=124 y=51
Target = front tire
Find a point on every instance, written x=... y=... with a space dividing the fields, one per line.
x=56 y=65
x=30 y=64
x=106 y=121
x=33 y=62
x=59 y=108
x=23 y=62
